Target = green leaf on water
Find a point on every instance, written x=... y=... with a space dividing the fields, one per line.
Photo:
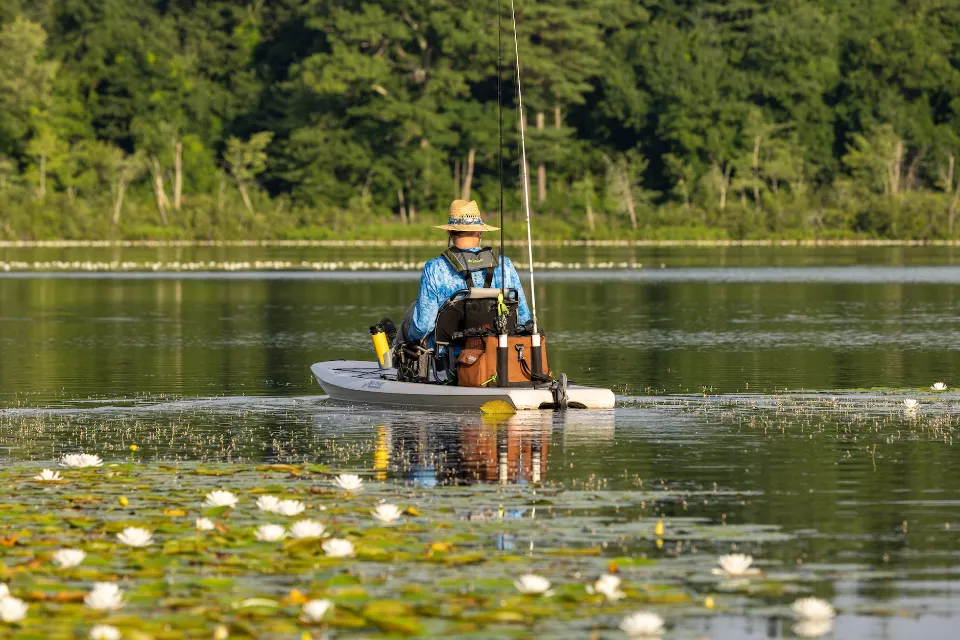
x=501 y=617
x=394 y=624
x=622 y=561
x=84 y=524
x=342 y=580
x=303 y=546
x=220 y=471
x=280 y=468
x=256 y=603
x=319 y=468
x=351 y=593
x=460 y=559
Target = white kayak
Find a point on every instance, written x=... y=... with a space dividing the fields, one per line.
x=365 y=382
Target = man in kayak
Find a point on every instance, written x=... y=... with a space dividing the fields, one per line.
x=464 y=259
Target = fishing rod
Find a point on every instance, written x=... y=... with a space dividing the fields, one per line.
x=523 y=168
x=535 y=343
x=503 y=263
x=503 y=341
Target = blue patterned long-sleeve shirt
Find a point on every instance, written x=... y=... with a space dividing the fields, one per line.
x=439 y=281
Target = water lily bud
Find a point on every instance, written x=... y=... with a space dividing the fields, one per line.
x=709 y=603
x=123 y=501
x=221 y=632
x=658 y=530
x=133 y=447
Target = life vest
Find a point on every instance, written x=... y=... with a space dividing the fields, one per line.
x=466 y=262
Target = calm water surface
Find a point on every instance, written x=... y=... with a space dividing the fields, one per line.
x=758 y=390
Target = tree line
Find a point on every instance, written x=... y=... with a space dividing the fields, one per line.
x=325 y=118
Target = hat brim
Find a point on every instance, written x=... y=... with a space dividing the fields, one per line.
x=466 y=227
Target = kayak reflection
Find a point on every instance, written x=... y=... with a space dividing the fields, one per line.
x=481 y=449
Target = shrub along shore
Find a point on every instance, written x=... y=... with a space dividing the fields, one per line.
x=915 y=217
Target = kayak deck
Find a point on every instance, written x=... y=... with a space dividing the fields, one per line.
x=365 y=382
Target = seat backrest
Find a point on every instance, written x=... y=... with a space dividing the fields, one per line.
x=472 y=312
x=482 y=292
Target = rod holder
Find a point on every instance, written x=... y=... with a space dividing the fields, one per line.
x=503 y=363
x=536 y=355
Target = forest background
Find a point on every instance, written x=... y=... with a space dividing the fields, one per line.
x=317 y=119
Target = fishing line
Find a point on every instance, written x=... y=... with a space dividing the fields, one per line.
x=523 y=168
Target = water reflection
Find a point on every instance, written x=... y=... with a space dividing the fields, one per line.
x=467 y=450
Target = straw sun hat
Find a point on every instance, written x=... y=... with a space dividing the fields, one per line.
x=465 y=216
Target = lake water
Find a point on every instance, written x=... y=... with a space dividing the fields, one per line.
x=760 y=410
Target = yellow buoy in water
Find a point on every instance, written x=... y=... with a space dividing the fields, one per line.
x=498 y=407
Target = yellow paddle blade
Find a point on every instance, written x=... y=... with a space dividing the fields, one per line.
x=497 y=407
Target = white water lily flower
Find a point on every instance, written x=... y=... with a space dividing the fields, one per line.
x=67 y=558
x=104 y=632
x=221 y=498
x=532 y=584
x=314 y=610
x=12 y=609
x=813 y=609
x=910 y=403
x=205 y=524
x=105 y=596
x=938 y=386
x=48 y=476
x=387 y=513
x=306 y=529
x=608 y=586
x=349 y=482
x=736 y=565
x=270 y=533
x=290 y=508
x=268 y=503
x=338 y=548
x=80 y=460
x=642 y=625
x=135 y=537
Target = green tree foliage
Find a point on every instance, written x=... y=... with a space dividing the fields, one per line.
x=26 y=80
x=657 y=118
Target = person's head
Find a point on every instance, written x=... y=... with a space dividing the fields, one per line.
x=465 y=239
x=465 y=224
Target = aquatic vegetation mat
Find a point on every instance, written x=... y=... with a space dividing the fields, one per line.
x=446 y=565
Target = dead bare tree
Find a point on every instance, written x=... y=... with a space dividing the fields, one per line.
x=468 y=178
x=178 y=175
x=247 y=160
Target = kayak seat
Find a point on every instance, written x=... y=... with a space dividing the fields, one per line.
x=472 y=313
x=468 y=313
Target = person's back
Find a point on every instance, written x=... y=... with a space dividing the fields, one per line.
x=464 y=265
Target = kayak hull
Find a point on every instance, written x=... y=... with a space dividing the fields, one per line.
x=365 y=382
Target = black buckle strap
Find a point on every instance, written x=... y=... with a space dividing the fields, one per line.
x=534 y=377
